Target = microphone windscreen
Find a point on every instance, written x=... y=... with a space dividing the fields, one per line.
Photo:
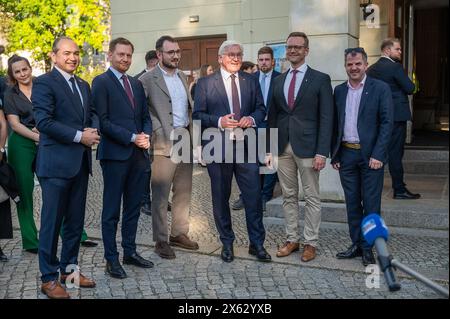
x=373 y=227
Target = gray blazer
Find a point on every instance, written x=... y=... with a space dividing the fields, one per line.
x=160 y=104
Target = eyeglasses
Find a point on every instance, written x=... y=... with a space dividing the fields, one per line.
x=355 y=50
x=237 y=56
x=294 y=47
x=172 y=53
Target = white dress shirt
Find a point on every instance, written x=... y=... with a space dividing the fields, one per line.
x=298 y=81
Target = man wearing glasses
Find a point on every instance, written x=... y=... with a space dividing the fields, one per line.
x=302 y=109
x=170 y=104
x=228 y=102
x=364 y=121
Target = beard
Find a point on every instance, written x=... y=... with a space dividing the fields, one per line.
x=170 y=65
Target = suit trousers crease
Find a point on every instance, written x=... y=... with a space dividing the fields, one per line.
x=167 y=175
x=362 y=189
x=248 y=180
x=62 y=199
x=396 y=151
x=124 y=182
x=289 y=165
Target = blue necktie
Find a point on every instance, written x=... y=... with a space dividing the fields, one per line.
x=76 y=95
x=263 y=87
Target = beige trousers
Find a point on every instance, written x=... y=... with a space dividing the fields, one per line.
x=289 y=166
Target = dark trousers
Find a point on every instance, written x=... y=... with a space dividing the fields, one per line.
x=146 y=198
x=247 y=177
x=122 y=180
x=62 y=199
x=362 y=188
x=396 y=151
x=269 y=182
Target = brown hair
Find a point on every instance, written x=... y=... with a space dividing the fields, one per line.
x=301 y=35
x=388 y=43
x=15 y=58
x=160 y=42
x=55 y=46
x=203 y=70
x=116 y=41
x=265 y=50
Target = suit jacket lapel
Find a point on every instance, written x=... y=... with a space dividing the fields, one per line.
x=365 y=96
x=281 y=88
x=84 y=94
x=220 y=88
x=243 y=85
x=120 y=88
x=160 y=81
x=67 y=89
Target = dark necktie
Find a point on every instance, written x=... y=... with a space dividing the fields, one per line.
x=291 y=92
x=76 y=95
x=126 y=85
x=235 y=98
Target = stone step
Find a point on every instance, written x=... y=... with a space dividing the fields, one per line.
x=425 y=155
x=426 y=167
x=424 y=214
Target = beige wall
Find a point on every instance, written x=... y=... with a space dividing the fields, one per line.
x=332 y=25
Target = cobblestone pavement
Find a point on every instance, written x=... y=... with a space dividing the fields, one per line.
x=202 y=274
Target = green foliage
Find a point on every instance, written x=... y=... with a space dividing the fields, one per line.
x=33 y=25
x=88 y=74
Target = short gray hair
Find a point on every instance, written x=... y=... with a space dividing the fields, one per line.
x=227 y=44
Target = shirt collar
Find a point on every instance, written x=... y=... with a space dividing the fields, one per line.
x=386 y=57
x=226 y=75
x=165 y=73
x=116 y=73
x=267 y=75
x=360 y=85
x=66 y=75
x=302 y=68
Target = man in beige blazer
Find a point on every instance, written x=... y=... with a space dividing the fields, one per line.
x=170 y=105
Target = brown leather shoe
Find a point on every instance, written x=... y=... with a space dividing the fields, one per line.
x=183 y=241
x=163 y=250
x=54 y=290
x=309 y=253
x=85 y=282
x=287 y=249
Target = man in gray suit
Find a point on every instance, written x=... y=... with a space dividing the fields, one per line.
x=170 y=104
x=301 y=108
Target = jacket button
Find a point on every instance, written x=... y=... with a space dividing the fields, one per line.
x=170 y=101
x=170 y=113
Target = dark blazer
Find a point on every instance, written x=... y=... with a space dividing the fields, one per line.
x=58 y=118
x=375 y=119
x=3 y=87
x=401 y=86
x=308 y=127
x=211 y=100
x=274 y=75
x=137 y=76
x=118 y=119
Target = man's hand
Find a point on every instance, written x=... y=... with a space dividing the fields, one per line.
x=142 y=141
x=375 y=164
x=336 y=166
x=319 y=162
x=228 y=121
x=245 y=122
x=268 y=160
x=90 y=137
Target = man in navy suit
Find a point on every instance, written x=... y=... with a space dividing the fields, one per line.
x=389 y=70
x=126 y=127
x=363 y=128
x=228 y=102
x=66 y=121
x=265 y=76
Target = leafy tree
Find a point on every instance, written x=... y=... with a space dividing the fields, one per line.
x=33 y=25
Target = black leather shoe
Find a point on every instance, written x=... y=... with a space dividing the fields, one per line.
x=406 y=195
x=115 y=270
x=260 y=253
x=368 y=257
x=227 y=254
x=352 y=252
x=89 y=243
x=3 y=256
x=237 y=204
x=32 y=250
x=146 y=209
x=138 y=261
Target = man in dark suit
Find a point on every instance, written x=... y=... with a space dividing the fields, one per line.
x=227 y=102
x=126 y=127
x=389 y=70
x=363 y=128
x=151 y=61
x=302 y=109
x=265 y=75
x=65 y=119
